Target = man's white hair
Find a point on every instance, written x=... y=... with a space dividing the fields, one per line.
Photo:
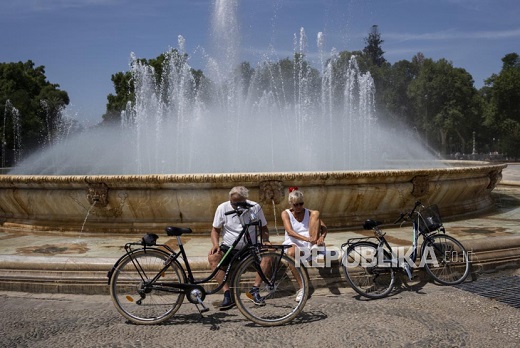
x=239 y=191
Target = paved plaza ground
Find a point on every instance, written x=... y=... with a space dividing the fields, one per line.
x=424 y=315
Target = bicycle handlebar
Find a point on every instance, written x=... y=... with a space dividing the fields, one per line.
x=243 y=205
x=403 y=215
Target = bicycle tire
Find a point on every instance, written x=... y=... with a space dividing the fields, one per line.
x=280 y=301
x=146 y=306
x=362 y=272
x=445 y=259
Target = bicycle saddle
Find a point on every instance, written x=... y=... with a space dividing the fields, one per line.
x=177 y=231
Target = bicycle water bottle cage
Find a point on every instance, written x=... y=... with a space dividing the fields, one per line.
x=149 y=239
x=370 y=224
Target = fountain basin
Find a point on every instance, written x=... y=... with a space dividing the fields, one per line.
x=139 y=203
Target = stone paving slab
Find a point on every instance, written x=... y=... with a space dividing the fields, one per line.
x=419 y=315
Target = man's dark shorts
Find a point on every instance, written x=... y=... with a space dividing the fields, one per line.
x=224 y=249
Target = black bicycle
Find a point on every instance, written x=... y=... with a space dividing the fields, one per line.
x=370 y=267
x=148 y=284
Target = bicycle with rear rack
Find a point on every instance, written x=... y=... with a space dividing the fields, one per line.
x=148 y=284
x=371 y=266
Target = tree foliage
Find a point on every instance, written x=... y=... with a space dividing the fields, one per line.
x=124 y=84
x=503 y=109
x=447 y=104
x=25 y=88
x=373 y=49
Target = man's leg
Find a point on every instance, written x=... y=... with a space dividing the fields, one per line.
x=214 y=259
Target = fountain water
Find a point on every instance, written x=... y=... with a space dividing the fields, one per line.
x=296 y=126
x=303 y=122
x=14 y=114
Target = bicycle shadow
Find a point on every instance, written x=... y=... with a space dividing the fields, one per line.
x=331 y=277
x=402 y=284
x=303 y=318
x=214 y=320
x=415 y=285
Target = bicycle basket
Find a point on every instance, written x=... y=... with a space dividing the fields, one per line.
x=429 y=219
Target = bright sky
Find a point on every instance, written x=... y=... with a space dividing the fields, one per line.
x=82 y=43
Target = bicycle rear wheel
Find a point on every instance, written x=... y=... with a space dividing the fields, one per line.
x=138 y=300
x=283 y=299
x=445 y=259
x=360 y=264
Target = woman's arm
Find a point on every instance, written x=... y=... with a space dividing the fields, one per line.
x=322 y=233
x=323 y=229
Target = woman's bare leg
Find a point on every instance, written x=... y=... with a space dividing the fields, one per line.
x=314 y=225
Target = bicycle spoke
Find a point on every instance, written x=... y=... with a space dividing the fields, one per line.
x=276 y=303
x=137 y=299
x=445 y=259
x=366 y=277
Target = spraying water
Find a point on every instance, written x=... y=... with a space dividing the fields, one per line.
x=14 y=114
x=285 y=117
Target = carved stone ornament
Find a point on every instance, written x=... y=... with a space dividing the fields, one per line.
x=270 y=191
x=421 y=184
x=97 y=193
x=494 y=178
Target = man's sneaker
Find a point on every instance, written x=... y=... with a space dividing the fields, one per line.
x=227 y=303
x=299 y=295
x=254 y=295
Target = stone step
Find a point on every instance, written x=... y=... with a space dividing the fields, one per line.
x=89 y=277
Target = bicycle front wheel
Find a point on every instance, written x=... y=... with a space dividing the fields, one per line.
x=275 y=303
x=136 y=297
x=365 y=275
x=445 y=259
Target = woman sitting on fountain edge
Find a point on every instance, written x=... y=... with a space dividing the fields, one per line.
x=303 y=227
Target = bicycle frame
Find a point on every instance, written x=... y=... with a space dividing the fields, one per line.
x=383 y=245
x=250 y=249
x=370 y=266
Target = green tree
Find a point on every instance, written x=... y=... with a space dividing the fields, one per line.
x=283 y=78
x=373 y=49
x=373 y=59
x=502 y=93
x=124 y=84
x=448 y=104
x=124 y=93
x=394 y=96
x=38 y=102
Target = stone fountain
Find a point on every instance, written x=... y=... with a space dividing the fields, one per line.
x=137 y=203
x=267 y=135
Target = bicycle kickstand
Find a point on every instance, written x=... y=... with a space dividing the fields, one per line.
x=408 y=271
x=204 y=309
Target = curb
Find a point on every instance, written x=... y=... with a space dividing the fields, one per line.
x=89 y=275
